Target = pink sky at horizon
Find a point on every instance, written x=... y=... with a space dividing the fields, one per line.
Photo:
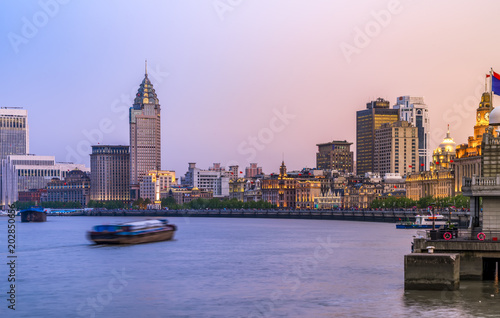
x=225 y=77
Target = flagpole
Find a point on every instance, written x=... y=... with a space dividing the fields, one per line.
x=491 y=86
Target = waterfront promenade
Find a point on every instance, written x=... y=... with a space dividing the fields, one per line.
x=391 y=216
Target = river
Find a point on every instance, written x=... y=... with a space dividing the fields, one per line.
x=226 y=267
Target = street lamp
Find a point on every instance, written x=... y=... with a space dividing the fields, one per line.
x=433 y=204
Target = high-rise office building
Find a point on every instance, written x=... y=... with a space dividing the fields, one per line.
x=396 y=148
x=367 y=121
x=335 y=155
x=14 y=135
x=415 y=111
x=110 y=173
x=145 y=135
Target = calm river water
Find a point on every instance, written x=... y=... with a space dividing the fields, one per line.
x=219 y=267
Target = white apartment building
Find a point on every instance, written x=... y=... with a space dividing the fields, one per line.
x=216 y=180
x=25 y=172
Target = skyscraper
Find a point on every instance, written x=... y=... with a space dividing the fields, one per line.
x=145 y=135
x=396 y=148
x=14 y=137
x=13 y=131
x=415 y=111
x=109 y=179
x=367 y=121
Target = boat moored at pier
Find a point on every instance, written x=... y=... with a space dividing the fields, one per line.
x=423 y=222
x=33 y=214
x=133 y=232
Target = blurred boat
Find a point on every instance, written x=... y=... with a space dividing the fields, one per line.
x=133 y=232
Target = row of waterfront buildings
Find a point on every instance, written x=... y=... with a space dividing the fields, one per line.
x=392 y=148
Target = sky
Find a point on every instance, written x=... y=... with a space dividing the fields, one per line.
x=240 y=81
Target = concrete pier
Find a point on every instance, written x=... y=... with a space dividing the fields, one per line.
x=432 y=271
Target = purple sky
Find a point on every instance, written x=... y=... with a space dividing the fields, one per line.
x=239 y=81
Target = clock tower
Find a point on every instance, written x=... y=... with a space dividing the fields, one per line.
x=482 y=120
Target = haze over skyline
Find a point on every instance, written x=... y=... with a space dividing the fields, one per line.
x=240 y=81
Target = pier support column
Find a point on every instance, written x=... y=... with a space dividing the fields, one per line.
x=432 y=271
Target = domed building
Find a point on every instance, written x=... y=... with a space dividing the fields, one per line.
x=439 y=182
x=443 y=156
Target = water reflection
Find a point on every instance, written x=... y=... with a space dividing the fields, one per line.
x=473 y=299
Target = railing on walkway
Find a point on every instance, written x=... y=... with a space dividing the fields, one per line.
x=481 y=181
x=459 y=235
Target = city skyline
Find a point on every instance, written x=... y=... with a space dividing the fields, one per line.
x=292 y=80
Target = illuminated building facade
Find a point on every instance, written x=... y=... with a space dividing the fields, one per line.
x=396 y=148
x=279 y=190
x=367 y=122
x=110 y=173
x=306 y=191
x=237 y=189
x=361 y=193
x=253 y=191
x=145 y=135
x=468 y=156
x=156 y=182
x=439 y=182
x=329 y=200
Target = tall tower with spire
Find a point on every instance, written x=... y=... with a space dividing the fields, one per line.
x=145 y=134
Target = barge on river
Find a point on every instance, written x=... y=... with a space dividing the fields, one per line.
x=34 y=214
x=133 y=232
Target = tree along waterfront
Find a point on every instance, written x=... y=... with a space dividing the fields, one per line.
x=388 y=203
x=458 y=202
